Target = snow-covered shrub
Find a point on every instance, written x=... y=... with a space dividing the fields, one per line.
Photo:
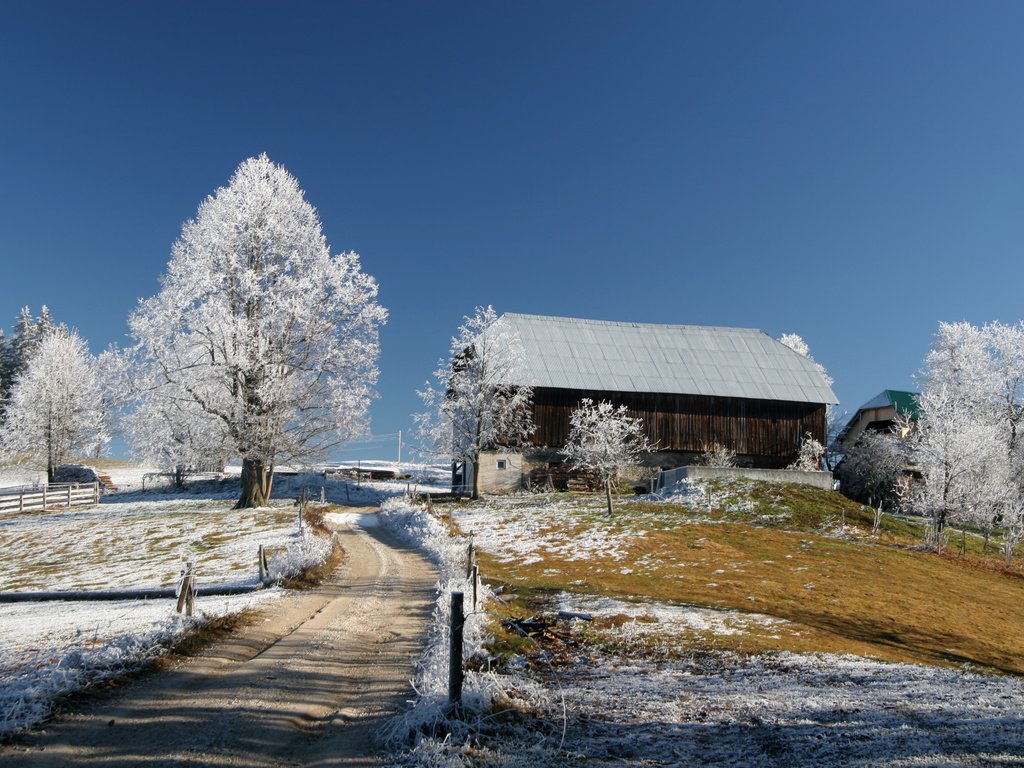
x=810 y=455
x=308 y=550
x=717 y=455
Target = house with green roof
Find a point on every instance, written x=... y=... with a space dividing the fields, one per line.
x=879 y=414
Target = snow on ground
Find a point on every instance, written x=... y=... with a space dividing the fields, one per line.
x=51 y=648
x=638 y=694
x=129 y=540
x=122 y=544
x=648 y=619
x=785 y=709
x=523 y=529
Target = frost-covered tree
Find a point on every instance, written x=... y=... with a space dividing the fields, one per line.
x=604 y=439
x=717 y=455
x=55 y=405
x=259 y=331
x=962 y=444
x=834 y=420
x=873 y=467
x=967 y=445
x=479 y=399
x=953 y=448
x=25 y=338
x=810 y=455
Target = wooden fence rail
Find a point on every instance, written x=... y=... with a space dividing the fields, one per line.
x=51 y=496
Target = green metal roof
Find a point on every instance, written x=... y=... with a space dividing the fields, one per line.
x=898 y=399
x=904 y=402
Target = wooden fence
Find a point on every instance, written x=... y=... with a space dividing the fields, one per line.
x=51 y=496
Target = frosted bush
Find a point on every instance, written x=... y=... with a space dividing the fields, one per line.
x=307 y=551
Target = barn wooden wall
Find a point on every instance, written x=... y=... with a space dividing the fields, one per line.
x=760 y=428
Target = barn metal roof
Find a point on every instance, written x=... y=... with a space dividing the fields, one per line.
x=572 y=353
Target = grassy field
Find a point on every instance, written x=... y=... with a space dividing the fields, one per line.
x=759 y=549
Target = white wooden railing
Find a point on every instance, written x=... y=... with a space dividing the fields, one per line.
x=28 y=498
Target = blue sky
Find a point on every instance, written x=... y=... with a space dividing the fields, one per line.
x=849 y=171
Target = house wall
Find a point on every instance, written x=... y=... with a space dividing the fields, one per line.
x=764 y=433
x=507 y=480
x=868 y=416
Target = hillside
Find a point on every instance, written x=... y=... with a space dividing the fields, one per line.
x=774 y=551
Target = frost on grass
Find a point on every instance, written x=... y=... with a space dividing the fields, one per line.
x=437 y=737
x=307 y=550
x=48 y=649
x=635 y=693
x=659 y=629
x=786 y=709
x=30 y=688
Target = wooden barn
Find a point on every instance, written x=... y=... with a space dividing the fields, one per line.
x=693 y=386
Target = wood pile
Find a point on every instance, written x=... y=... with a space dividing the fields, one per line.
x=106 y=482
x=563 y=478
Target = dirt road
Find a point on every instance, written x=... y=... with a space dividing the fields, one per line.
x=308 y=686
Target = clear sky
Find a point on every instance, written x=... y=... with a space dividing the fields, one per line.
x=849 y=171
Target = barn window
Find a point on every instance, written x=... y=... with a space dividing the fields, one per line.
x=502 y=463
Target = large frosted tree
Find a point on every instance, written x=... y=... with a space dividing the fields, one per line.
x=479 y=398
x=260 y=339
x=967 y=444
x=55 y=408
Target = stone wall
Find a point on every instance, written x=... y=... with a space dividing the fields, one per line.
x=821 y=480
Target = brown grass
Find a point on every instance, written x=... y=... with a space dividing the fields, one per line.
x=312 y=577
x=856 y=593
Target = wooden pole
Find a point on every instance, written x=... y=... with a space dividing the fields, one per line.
x=455 y=653
x=44 y=494
x=261 y=564
x=470 y=560
x=184 y=586
x=476 y=581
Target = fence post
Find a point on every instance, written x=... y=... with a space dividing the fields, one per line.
x=470 y=560
x=184 y=588
x=455 y=653
x=21 y=501
x=96 y=492
x=190 y=594
x=261 y=564
x=69 y=495
x=476 y=581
